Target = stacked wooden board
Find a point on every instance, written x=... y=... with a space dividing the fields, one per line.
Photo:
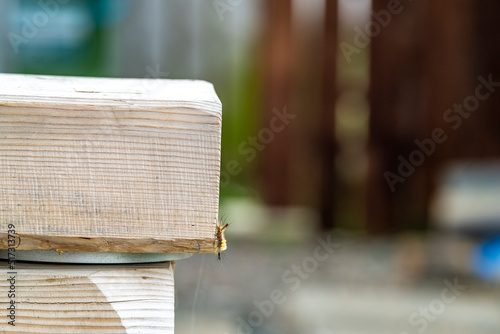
x=109 y=166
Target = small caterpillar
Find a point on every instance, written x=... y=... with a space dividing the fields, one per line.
x=220 y=241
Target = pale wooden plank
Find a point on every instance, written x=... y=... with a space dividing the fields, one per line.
x=51 y=298
x=109 y=165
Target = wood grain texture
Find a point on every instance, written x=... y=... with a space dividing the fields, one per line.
x=110 y=165
x=102 y=299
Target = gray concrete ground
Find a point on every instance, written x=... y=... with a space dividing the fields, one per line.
x=404 y=285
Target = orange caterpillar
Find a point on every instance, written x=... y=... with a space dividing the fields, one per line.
x=220 y=241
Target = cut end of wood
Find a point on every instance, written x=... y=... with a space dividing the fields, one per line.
x=109 y=165
x=51 y=298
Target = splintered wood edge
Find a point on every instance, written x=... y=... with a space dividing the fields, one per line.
x=112 y=245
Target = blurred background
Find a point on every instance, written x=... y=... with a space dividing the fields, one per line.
x=360 y=151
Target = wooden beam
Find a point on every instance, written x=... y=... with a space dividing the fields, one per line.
x=54 y=298
x=277 y=72
x=398 y=117
x=109 y=165
x=328 y=141
x=486 y=35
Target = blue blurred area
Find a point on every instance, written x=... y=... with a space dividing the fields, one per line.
x=486 y=259
x=59 y=37
x=110 y=12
